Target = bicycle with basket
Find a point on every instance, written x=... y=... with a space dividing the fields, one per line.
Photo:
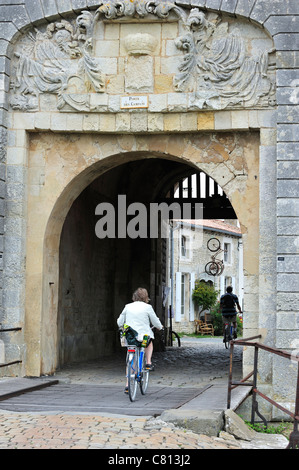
x=137 y=373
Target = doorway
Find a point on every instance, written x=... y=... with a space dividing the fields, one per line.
x=97 y=275
x=79 y=169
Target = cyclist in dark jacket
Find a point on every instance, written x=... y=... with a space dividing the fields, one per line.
x=228 y=303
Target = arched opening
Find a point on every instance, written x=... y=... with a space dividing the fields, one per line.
x=97 y=274
x=145 y=167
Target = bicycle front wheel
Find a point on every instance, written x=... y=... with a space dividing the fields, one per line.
x=213 y=244
x=144 y=377
x=132 y=378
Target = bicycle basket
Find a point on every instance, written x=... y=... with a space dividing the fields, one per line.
x=131 y=336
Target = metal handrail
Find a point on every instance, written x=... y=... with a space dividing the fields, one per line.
x=294 y=436
x=12 y=362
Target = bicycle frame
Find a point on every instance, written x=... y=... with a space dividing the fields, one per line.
x=132 y=350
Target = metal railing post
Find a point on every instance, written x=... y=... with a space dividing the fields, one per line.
x=254 y=402
x=230 y=376
x=294 y=436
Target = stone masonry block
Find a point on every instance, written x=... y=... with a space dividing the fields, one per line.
x=5 y=65
x=205 y=120
x=64 y=6
x=286 y=41
x=193 y=3
x=3 y=99
x=287 y=132
x=290 y=264
x=282 y=24
x=287 y=170
x=78 y=5
x=287 y=59
x=213 y=4
x=208 y=422
x=229 y=5
x=288 y=207
x=287 y=95
x=288 y=302
x=287 y=282
x=287 y=77
x=263 y=9
x=122 y=122
x=288 y=226
x=91 y=122
x=288 y=320
x=92 y=3
x=155 y=122
x=8 y=30
x=286 y=188
x=34 y=10
x=288 y=151
x=50 y=10
x=288 y=114
x=287 y=245
x=17 y=14
x=244 y=7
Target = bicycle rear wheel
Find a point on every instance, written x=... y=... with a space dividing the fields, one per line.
x=132 y=379
x=144 y=377
x=227 y=336
x=212 y=268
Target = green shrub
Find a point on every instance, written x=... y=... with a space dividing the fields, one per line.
x=217 y=321
x=204 y=295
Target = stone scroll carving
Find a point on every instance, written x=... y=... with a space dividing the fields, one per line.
x=218 y=69
x=59 y=61
x=213 y=65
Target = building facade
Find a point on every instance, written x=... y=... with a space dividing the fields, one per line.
x=190 y=259
x=106 y=98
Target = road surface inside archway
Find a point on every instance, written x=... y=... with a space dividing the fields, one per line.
x=198 y=367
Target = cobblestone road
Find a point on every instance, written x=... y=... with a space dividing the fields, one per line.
x=195 y=364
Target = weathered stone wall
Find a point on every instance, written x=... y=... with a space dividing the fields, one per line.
x=276 y=297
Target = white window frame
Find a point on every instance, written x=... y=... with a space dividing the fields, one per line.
x=228 y=254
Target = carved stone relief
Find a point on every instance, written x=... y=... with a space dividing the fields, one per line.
x=210 y=62
x=217 y=67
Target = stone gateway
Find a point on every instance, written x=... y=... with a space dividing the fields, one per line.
x=108 y=98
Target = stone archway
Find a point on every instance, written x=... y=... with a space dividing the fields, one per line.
x=62 y=166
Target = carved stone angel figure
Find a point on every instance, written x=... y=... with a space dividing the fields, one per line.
x=217 y=68
x=56 y=60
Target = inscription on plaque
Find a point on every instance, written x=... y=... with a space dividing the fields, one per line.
x=131 y=102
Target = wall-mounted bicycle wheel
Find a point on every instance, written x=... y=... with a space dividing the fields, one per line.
x=212 y=268
x=213 y=244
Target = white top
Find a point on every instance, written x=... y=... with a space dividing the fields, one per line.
x=139 y=316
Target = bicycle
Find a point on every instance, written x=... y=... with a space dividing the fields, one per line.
x=136 y=369
x=229 y=331
x=216 y=266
